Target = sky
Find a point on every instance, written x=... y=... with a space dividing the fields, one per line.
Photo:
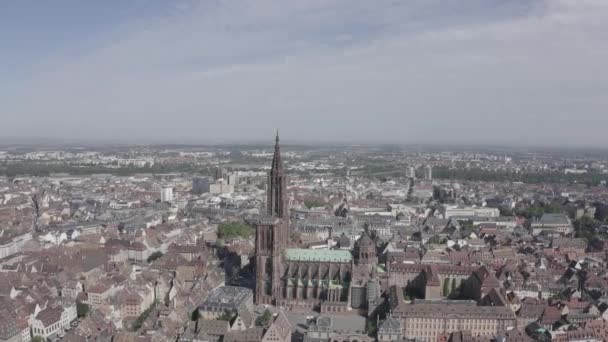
x=497 y=72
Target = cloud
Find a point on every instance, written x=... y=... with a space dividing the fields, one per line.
x=475 y=71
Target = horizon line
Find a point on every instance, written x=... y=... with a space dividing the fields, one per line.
x=77 y=142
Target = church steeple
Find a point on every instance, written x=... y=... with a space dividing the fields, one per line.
x=276 y=204
x=276 y=158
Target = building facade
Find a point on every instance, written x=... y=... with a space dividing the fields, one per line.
x=427 y=320
x=48 y=322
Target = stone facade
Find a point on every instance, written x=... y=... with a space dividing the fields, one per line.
x=427 y=320
x=293 y=277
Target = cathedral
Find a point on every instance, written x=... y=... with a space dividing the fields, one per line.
x=324 y=280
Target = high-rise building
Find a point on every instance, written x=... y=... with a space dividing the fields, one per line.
x=429 y=172
x=166 y=194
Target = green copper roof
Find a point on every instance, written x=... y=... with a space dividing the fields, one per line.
x=323 y=255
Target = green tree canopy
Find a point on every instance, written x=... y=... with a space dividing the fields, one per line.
x=231 y=230
x=446 y=287
x=264 y=319
x=154 y=256
x=436 y=239
x=313 y=203
x=143 y=317
x=82 y=309
x=586 y=227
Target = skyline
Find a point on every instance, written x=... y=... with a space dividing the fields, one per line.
x=504 y=73
x=49 y=144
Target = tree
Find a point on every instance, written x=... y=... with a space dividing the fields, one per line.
x=586 y=227
x=371 y=327
x=195 y=315
x=457 y=289
x=536 y=210
x=436 y=239
x=466 y=227
x=143 y=317
x=264 y=319
x=601 y=212
x=154 y=256
x=476 y=174
x=505 y=211
x=313 y=203
x=82 y=309
x=446 y=287
x=231 y=230
x=439 y=194
x=38 y=339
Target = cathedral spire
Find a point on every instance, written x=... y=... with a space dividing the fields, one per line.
x=277 y=200
x=276 y=158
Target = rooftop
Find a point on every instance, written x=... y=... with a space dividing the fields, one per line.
x=298 y=254
x=554 y=218
x=8 y=327
x=463 y=309
x=227 y=297
x=49 y=316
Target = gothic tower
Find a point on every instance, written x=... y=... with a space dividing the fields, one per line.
x=276 y=201
x=271 y=235
x=366 y=259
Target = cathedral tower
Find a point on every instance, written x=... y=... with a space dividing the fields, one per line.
x=271 y=235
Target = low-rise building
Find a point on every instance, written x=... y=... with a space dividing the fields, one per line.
x=221 y=187
x=552 y=223
x=48 y=322
x=12 y=245
x=229 y=299
x=100 y=292
x=427 y=320
x=134 y=302
x=390 y=330
x=471 y=211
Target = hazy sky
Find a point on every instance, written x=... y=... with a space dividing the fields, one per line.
x=411 y=71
